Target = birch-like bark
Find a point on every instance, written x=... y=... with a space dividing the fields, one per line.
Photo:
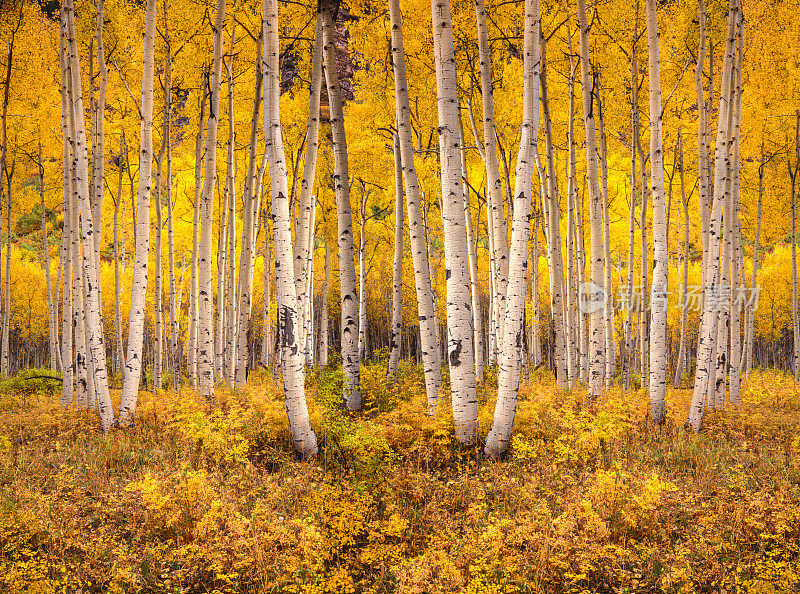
x=683 y=358
x=395 y=333
x=266 y=322
x=249 y=232
x=191 y=350
x=230 y=298
x=735 y=331
x=52 y=309
x=119 y=350
x=658 y=299
x=608 y=285
x=508 y=381
x=702 y=135
x=493 y=184
x=795 y=328
x=68 y=363
x=205 y=348
x=431 y=354
x=362 y=275
x=293 y=372
x=4 y=173
x=323 y=313
x=747 y=351
x=306 y=200
x=347 y=271
x=94 y=325
x=553 y=234
x=133 y=364
x=596 y=338
x=459 y=307
x=158 y=307
x=707 y=332
x=98 y=148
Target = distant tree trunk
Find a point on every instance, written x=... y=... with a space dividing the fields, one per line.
x=553 y=235
x=4 y=172
x=191 y=350
x=596 y=337
x=396 y=338
x=158 y=308
x=493 y=184
x=608 y=286
x=459 y=314
x=707 y=332
x=702 y=136
x=658 y=302
x=683 y=358
x=430 y=348
x=629 y=338
x=266 y=328
x=795 y=325
x=347 y=272
x=735 y=332
x=205 y=354
x=362 y=275
x=67 y=361
x=536 y=346
x=120 y=351
x=133 y=365
x=175 y=356
x=98 y=149
x=230 y=298
x=323 y=314
x=747 y=351
x=249 y=233
x=303 y=233
x=508 y=381
x=52 y=308
x=293 y=373
x=91 y=270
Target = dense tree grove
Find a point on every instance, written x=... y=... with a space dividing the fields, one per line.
x=553 y=217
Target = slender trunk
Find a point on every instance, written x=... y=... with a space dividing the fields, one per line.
x=293 y=373
x=347 y=272
x=596 y=339
x=52 y=309
x=362 y=276
x=431 y=355
x=629 y=299
x=4 y=172
x=67 y=362
x=459 y=314
x=323 y=314
x=395 y=338
x=683 y=358
x=158 y=308
x=230 y=300
x=119 y=350
x=94 y=326
x=508 y=381
x=98 y=147
x=266 y=326
x=658 y=301
x=191 y=350
x=707 y=333
x=205 y=348
x=747 y=352
x=608 y=286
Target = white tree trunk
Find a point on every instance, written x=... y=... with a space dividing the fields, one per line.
x=67 y=362
x=293 y=373
x=396 y=330
x=323 y=314
x=459 y=309
x=431 y=354
x=205 y=348
x=347 y=272
x=508 y=381
x=52 y=308
x=133 y=365
x=230 y=298
x=683 y=357
x=658 y=300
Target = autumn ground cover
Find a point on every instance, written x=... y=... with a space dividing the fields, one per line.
x=201 y=498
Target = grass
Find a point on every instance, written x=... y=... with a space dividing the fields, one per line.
x=200 y=499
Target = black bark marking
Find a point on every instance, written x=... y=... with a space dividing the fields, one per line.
x=455 y=355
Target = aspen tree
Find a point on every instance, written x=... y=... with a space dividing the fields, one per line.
x=266 y=325
x=323 y=313
x=396 y=329
x=158 y=309
x=52 y=308
x=702 y=135
x=67 y=361
x=303 y=232
x=508 y=381
x=305 y=441
x=191 y=350
x=118 y=349
x=205 y=349
x=430 y=348
x=230 y=300
x=494 y=196
x=707 y=332
x=362 y=273
x=459 y=314
x=608 y=286
x=553 y=233
x=90 y=267
x=683 y=357
x=795 y=326
x=249 y=233
x=747 y=350
x=629 y=338
x=347 y=271
x=658 y=301
x=4 y=173
x=133 y=365
x=98 y=148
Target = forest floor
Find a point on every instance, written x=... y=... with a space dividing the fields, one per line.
x=195 y=498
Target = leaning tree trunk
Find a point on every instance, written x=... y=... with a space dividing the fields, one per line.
x=508 y=381
x=133 y=365
x=431 y=353
x=658 y=302
x=347 y=270
x=459 y=314
x=596 y=336
x=293 y=372
x=396 y=337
